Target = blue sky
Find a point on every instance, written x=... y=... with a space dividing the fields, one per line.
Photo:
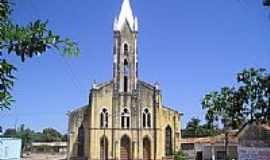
x=190 y=47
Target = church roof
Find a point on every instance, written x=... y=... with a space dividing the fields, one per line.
x=125 y=16
x=101 y=85
x=77 y=110
x=148 y=85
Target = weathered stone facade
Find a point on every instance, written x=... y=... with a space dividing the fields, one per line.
x=251 y=142
x=125 y=117
x=254 y=141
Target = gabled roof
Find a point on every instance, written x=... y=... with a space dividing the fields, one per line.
x=101 y=85
x=78 y=110
x=234 y=135
x=212 y=139
x=173 y=110
x=148 y=85
x=258 y=124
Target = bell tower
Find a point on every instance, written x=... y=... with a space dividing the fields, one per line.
x=125 y=65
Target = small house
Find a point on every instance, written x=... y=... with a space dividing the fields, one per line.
x=10 y=148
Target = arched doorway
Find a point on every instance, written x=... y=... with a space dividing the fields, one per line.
x=103 y=148
x=125 y=148
x=146 y=148
x=80 y=149
x=168 y=141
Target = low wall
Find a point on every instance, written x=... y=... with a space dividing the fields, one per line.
x=253 y=153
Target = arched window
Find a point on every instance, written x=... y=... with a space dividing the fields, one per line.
x=125 y=49
x=126 y=74
x=168 y=141
x=125 y=118
x=104 y=118
x=146 y=118
x=80 y=148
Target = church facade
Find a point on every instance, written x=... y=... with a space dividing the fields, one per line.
x=125 y=117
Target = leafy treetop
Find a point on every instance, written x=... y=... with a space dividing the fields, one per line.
x=25 y=41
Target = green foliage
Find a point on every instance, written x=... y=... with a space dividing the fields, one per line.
x=236 y=106
x=27 y=135
x=33 y=39
x=255 y=89
x=51 y=135
x=25 y=41
x=266 y=3
x=5 y=10
x=64 y=138
x=180 y=155
x=10 y=133
x=223 y=106
x=6 y=83
x=195 y=129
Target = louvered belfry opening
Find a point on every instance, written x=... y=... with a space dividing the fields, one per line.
x=125 y=148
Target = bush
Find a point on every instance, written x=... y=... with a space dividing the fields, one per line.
x=180 y=155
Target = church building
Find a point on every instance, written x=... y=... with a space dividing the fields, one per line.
x=125 y=118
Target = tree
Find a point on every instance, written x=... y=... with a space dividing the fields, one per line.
x=249 y=102
x=266 y=2
x=255 y=89
x=51 y=135
x=64 y=138
x=223 y=107
x=10 y=132
x=25 y=41
x=28 y=136
x=194 y=128
x=235 y=107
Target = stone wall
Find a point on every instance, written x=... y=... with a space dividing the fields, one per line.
x=251 y=153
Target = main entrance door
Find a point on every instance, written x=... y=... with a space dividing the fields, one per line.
x=125 y=148
x=104 y=148
x=146 y=149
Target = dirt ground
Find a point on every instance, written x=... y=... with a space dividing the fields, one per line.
x=44 y=156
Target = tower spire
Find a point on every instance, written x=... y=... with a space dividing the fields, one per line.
x=126 y=15
x=125 y=50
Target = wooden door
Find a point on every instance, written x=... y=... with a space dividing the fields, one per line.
x=146 y=149
x=125 y=148
x=104 y=148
